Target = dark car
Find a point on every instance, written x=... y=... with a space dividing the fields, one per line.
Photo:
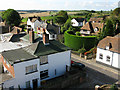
x=77 y=65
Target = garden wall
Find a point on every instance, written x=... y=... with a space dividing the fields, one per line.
x=77 y=42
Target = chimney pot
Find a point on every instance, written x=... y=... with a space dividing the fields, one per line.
x=31 y=36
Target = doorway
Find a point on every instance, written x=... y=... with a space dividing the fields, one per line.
x=35 y=84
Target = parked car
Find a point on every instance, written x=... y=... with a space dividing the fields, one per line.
x=77 y=65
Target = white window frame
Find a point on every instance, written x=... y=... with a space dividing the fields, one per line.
x=28 y=84
x=108 y=58
x=100 y=57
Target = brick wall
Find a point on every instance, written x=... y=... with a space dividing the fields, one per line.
x=10 y=68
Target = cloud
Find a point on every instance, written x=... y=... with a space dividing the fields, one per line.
x=58 y=5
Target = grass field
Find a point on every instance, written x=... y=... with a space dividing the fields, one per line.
x=26 y=15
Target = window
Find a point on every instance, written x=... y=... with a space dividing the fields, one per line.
x=31 y=69
x=11 y=88
x=53 y=36
x=43 y=60
x=101 y=56
x=108 y=58
x=28 y=84
x=44 y=74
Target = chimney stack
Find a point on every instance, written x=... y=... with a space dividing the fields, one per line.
x=51 y=22
x=31 y=36
x=45 y=38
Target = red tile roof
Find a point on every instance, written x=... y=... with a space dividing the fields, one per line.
x=114 y=41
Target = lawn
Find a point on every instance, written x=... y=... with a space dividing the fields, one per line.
x=47 y=18
x=24 y=20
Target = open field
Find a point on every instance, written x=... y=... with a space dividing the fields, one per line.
x=26 y=15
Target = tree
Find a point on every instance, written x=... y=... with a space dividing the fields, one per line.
x=88 y=16
x=61 y=17
x=116 y=12
x=108 y=29
x=11 y=17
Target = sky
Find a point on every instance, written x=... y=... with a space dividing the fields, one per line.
x=59 y=4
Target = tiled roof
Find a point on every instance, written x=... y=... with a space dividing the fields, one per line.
x=91 y=26
x=114 y=41
x=96 y=19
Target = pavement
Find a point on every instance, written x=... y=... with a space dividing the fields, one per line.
x=109 y=71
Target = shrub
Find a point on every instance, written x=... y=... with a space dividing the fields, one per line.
x=82 y=50
x=77 y=42
x=78 y=33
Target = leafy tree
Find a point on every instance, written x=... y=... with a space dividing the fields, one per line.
x=67 y=24
x=61 y=17
x=116 y=12
x=88 y=16
x=108 y=29
x=11 y=17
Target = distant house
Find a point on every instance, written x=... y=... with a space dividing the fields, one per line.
x=33 y=23
x=28 y=67
x=94 y=26
x=108 y=51
x=76 y=22
x=4 y=28
x=50 y=28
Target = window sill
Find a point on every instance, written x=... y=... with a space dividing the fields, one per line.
x=31 y=72
x=44 y=77
x=44 y=63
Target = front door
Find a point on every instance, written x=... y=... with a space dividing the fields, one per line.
x=35 y=84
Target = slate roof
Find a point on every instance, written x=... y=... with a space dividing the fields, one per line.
x=33 y=19
x=36 y=37
x=114 y=41
x=51 y=28
x=39 y=49
x=17 y=55
x=79 y=19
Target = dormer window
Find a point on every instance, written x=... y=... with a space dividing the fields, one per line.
x=109 y=46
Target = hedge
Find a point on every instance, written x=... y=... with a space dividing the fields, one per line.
x=77 y=42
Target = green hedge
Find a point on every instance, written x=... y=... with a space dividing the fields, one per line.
x=77 y=42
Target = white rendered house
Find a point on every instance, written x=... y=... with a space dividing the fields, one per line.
x=33 y=23
x=76 y=22
x=31 y=65
x=108 y=51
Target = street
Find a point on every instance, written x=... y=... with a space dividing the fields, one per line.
x=96 y=76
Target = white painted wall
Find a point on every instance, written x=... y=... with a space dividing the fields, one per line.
x=116 y=60
x=56 y=61
x=34 y=25
x=114 y=57
x=75 y=23
x=50 y=36
x=20 y=74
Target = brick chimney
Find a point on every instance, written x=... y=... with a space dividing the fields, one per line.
x=45 y=38
x=31 y=36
